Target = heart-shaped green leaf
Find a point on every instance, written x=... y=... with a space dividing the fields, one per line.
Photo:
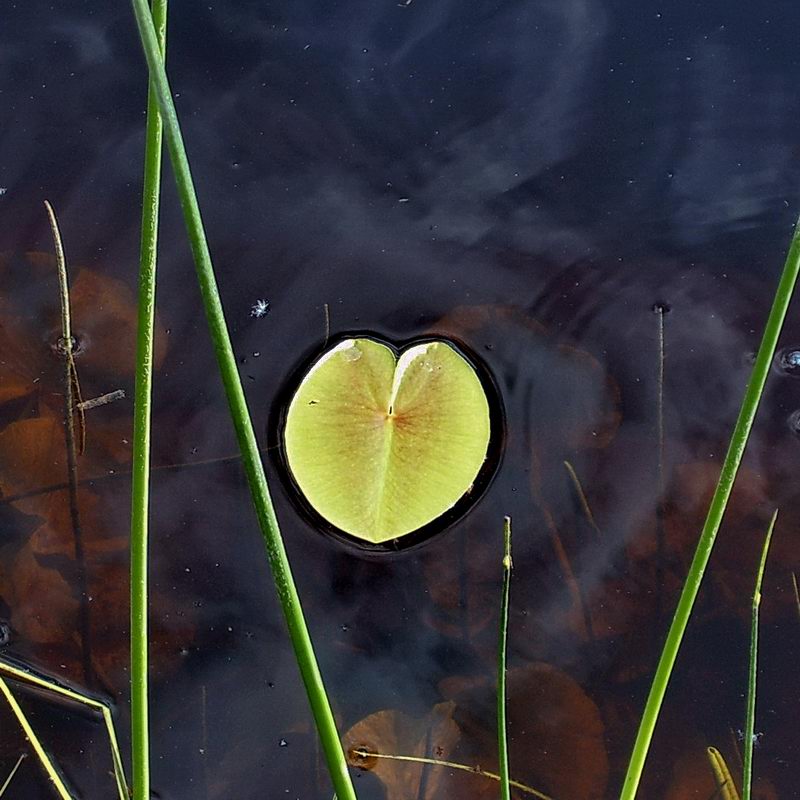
x=381 y=445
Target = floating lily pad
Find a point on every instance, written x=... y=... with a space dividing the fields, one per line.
x=380 y=444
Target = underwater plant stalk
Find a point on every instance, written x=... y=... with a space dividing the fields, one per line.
x=142 y=405
x=254 y=469
x=719 y=501
x=502 y=723
x=752 y=672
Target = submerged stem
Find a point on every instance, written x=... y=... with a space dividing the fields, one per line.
x=72 y=407
x=438 y=762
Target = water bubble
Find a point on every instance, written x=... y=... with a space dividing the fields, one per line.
x=59 y=346
x=788 y=361
x=351 y=353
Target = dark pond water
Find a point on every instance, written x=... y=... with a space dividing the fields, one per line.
x=531 y=179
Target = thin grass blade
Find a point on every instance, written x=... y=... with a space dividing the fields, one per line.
x=502 y=647
x=140 y=481
x=7 y=781
x=26 y=676
x=752 y=673
x=726 y=788
x=44 y=759
x=254 y=470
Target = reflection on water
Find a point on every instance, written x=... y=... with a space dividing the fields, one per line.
x=528 y=178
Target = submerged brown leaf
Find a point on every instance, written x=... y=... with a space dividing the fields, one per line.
x=556 y=733
x=392 y=732
x=39 y=570
x=104 y=311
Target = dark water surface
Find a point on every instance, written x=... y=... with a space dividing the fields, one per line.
x=530 y=179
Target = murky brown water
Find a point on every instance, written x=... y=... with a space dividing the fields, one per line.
x=529 y=179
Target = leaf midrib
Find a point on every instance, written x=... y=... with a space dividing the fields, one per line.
x=400 y=368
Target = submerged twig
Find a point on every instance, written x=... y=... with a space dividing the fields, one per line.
x=66 y=344
x=102 y=400
x=120 y=474
x=327 y=311
x=437 y=762
x=72 y=401
x=573 y=587
x=660 y=310
x=587 y=511
x=796 y=592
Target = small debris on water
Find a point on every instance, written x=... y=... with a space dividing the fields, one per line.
x=3 y=190
x=103 y=400
x=351 y=353
x=283 y=743
x=259 y=309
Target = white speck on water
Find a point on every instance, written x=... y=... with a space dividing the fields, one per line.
x=260 y=308
x=3 y=190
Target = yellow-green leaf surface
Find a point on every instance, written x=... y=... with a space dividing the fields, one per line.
x=381 y=445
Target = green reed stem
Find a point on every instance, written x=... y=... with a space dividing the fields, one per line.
x=752 y=674
x=502 y=647
x=254 y=469
x=730 y=466
x=142 y=406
